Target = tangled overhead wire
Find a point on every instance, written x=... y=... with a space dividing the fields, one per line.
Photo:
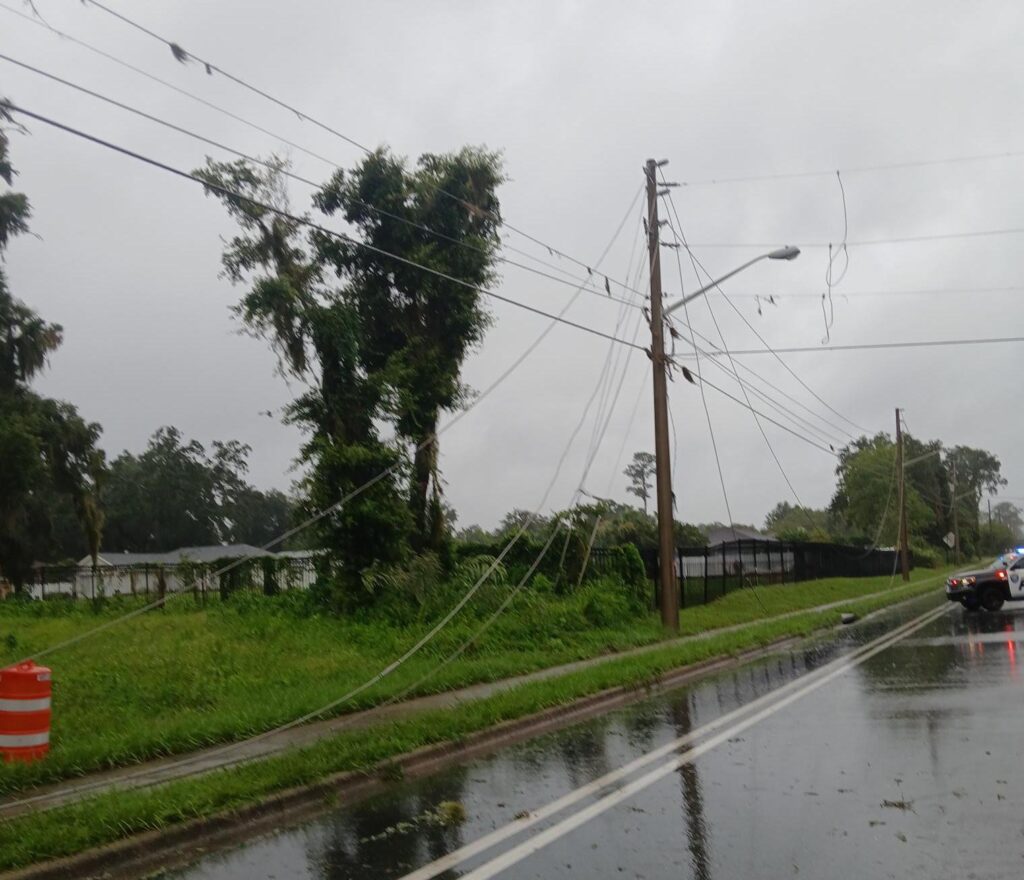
x=829 y=315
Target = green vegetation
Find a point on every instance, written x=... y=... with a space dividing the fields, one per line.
x=937 y=480
x=175 y=680
x=177 y=494
x=611 y=524
x=109 y=817
x=748 y=606
x=48 y=452
x=791 y=522
x=377 y=342
x=641 y=472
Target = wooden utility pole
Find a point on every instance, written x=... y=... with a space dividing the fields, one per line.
x=903 y=542
x=956 y=521
x=663 y=472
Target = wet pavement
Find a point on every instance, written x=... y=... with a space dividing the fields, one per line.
x=904 y=765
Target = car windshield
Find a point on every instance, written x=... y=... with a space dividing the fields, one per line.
x=1004 y=561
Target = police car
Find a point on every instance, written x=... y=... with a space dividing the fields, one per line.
x=988 y=588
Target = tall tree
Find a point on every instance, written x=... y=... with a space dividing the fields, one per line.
x=258 y=518
x=790 y=522
x=640 y=472
x=377 y=340
x=1009 y=515
x=418 y=327
x=314 y=327
x=161 y=499
x=176 y=493
x=977 y=474
x=47 y=449
x=532 y=525
x=926 y=473
x=866 y=491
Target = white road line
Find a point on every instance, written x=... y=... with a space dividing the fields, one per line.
x=774 y=701
x=539 y=841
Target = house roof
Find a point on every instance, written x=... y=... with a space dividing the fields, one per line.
x=210 y=553
x=728 y=534
x=125 y=559
x=219 y=551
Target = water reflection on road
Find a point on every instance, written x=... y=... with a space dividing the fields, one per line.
x=905 y=765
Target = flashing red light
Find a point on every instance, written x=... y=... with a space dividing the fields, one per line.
x=1001 y=574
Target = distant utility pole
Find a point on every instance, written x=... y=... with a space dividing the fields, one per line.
x=904 y=549
x=663 y=470
x=956 y=521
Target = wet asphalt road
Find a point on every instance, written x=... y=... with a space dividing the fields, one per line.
x=907 y=765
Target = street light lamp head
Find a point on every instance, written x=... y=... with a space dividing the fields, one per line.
x=786 y=253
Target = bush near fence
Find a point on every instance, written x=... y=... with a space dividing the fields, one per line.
x=564 y=561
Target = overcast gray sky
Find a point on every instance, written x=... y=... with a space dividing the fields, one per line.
x=577 y=95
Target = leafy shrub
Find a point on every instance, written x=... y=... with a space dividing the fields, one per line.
x=541 y=583
x=412 y=582
x=246 y=602
x=609 y=602
x=630 y=568
x=607 y=609
x=927 y=557
x=471 y=569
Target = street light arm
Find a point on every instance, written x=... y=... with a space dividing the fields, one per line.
x=692 y=296
x=786 y=253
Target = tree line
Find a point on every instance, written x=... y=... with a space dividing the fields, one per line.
x=945 y=490
x=944 y=486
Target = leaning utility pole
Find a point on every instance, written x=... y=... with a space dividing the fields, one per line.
x=904 y=550
x=956 y=521
x=663 y=472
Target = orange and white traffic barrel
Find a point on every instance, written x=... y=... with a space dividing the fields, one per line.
x=25 y=690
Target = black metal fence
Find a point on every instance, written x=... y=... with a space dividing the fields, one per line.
x=265 y=574
x=708 y=573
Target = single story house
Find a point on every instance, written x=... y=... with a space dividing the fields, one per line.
x=130 y=573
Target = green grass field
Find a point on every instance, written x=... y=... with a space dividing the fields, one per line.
x=171 y=681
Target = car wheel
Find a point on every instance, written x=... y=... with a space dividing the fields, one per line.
x=991 y=599
x=970 y=603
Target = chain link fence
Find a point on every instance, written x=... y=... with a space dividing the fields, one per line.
x=704 y=574
x=267 y=575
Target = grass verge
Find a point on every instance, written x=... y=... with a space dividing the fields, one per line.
x=108 y=817
x=172 y=682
